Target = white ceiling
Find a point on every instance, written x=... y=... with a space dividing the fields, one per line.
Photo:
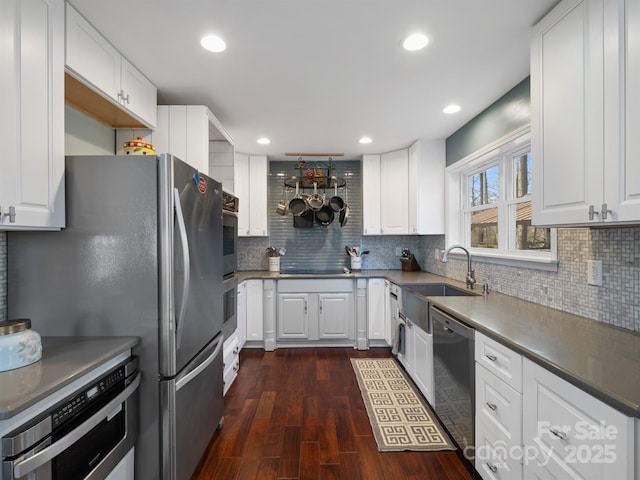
x=316 y=75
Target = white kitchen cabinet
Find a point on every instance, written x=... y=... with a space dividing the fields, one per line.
x=584 y=68
x=371 y=194
x=573 y=434
x=377 y=311
x=241 y=314
x=315 y=310
x=255 y=311
x=498 y=409
x=422 y=363
x=230 y=361
x=250 y=182
x=92 y=60
x=403 y=190
x=32 y=115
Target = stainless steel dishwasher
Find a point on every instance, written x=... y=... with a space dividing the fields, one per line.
x=454 y=375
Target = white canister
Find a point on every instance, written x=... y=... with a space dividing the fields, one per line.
x=19 y=346
x=274 y=264
x=356 y=263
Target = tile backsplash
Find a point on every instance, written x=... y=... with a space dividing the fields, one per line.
x=617 y=302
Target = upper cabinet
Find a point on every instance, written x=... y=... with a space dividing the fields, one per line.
x=250 y=182
x=585 y=63
x=32 y=114
x=126 y=98
x=403 y=192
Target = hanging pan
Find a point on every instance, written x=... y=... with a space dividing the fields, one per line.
x=344 y=213
x=324 y=216
x=298 y=205
x=315 y=201
x=336 y=203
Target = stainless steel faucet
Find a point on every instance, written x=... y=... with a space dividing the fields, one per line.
x=471 y=279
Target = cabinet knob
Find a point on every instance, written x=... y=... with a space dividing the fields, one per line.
x=558 y=433
x=492 y=467
x=493 y=358
x=125 y=99
x=492 y=406
x=604 y=211
x=11 y=214
x=592 y=212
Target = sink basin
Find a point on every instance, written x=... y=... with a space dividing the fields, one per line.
x=414 y=303
x=438 y=290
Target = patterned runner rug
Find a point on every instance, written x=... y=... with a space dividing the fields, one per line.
x=400 y=418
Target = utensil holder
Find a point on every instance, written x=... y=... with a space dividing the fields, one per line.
x=274 y=264
x=356 y=263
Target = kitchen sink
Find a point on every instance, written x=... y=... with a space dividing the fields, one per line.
x=414 y=300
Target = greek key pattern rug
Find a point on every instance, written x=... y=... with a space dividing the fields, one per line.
x=400 y=418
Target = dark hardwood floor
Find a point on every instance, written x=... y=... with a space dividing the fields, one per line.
x=298 y=414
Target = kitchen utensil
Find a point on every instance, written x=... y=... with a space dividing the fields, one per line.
x=324 y=216
x=315 y=201
x=298 y=205
x=344 y=213
x=281 y=208
x=305 y=220
x=336 y=203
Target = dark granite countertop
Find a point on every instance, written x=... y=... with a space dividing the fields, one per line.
x=64 y=359
x=600 y=359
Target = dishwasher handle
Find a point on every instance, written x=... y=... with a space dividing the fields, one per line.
x=449 y=323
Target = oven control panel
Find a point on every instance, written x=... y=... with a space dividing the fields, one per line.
x=80 y=401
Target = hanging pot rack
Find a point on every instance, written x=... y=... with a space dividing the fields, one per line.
x=315 y=174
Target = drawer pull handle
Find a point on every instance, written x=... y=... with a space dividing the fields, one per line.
x=558 y=433
x=492 y=467
x=493 y=358
x=236 y=350
x=492 y=406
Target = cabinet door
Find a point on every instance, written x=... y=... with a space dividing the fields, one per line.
x=293 y=316
x=258 y=218
x=567 y=113
x=335 y=318
x=140 y=96
x=376 y=309
x=255 y=311
x=90 y=56
x=32 y=114
x=241 y=314
x=622 y=143
x=423 y=362
x=241 y=185
x=580 y=436
x=406 y=358
x=426 y=187
x=394 y=196
x=371 y=194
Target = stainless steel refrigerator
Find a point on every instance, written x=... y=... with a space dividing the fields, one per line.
x=141 y=255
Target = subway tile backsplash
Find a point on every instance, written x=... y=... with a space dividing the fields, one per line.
x=617 y=302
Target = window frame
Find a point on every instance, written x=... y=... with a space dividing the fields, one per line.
x=457 y=191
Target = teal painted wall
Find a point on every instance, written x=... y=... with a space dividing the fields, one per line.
x=510 y=112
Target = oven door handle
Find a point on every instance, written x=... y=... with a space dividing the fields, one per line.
x=30 y=464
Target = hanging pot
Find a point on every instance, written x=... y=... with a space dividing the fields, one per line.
x=281 y=208
x=315 y=201
x=324 y=216
x=344 y=213
x=298 y=205
x=336 y=203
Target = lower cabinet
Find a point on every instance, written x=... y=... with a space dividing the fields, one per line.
x=315 y=310
x=571 y=434
x=378 y=325
x=417 y=358
x=230 y=360
x=254 y=311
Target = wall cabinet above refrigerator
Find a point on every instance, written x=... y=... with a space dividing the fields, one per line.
x=103 y=84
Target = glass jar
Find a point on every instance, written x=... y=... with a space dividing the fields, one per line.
x=19 y=346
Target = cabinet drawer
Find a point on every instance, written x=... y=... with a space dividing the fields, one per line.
x=492 y=460
x=315 y=285
x=500 y=360
x=498 y=408
x=575 y=434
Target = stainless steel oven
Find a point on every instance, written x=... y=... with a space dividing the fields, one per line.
x=83 y=437
x=230 y=319
x=229 y=233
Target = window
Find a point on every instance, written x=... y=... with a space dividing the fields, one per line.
x=489 y=205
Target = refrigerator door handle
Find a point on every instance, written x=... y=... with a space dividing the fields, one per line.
x=186 y=264
x=185 y=378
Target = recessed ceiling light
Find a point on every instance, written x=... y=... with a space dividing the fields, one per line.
x=451 y=108
x=365 y=140
x=213 y=43
x=415 y=41
x=264 y=141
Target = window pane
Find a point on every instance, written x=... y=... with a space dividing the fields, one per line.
x=530 y=237
x=484 y=187
x=522 y=169
x=484 y=228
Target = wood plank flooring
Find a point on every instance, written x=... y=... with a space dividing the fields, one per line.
x=298 y=414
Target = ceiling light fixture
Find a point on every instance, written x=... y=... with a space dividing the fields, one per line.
x=365 y=140
x=415 y=41
x=451 y=108
x=213 y=43
x=264 y=141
